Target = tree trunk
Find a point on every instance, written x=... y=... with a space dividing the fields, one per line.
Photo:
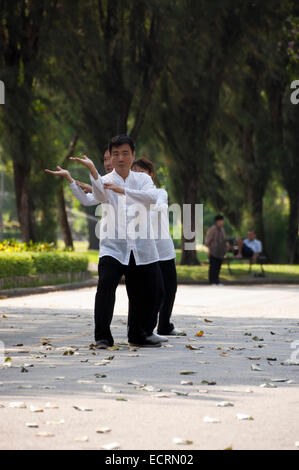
x=24 y=205
x=63 y=220
x=93 y=240
x=293 y=241
x=62 y=214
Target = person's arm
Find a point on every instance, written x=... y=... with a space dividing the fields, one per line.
x=87 y=188
x=98 y=189
x=162 y=199
x=209 y=237
x=86 y=199
x=146 y=195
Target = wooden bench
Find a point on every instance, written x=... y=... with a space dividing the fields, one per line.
x=261 y=260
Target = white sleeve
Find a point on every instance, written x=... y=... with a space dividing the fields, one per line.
x=147 y=195
x=83 y=198
x=260 y=246
x=162 y=198
x=98 y=190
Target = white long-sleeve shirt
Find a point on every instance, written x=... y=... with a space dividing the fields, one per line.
x=164 y=241
x=118 y=227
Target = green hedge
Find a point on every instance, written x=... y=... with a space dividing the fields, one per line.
x=23 y=264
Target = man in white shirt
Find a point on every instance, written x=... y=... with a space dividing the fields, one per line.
x=250 y=247
x=121 y=193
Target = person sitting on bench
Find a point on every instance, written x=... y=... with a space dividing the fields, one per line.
x=250 y=248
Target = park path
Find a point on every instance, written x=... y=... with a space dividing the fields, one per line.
x=248 y=334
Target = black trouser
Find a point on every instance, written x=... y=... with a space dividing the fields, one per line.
x=166 y=288
x=141 y=286
x=214 y=271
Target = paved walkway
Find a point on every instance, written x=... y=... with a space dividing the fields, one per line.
x=248 y=328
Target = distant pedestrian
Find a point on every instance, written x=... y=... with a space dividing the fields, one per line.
x=216 y=243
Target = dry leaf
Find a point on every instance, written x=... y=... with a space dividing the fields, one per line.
x=179 y=393
x=81 y=439
x=103 y=430
x=224 y=404
x=207 y=419
x=184 y=382
x=111 y=446
x=31 y=425
x=35 y=409
x=82 y=408
x=17 y=404
x=199 y=334
x=242 y=417
x=45 y=434
x=108 y=389
x=187 y=372
x=179 y=441
x=268 y=385
x=51 y=406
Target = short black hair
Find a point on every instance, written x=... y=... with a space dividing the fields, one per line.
x=219 y=217
x=119 y=140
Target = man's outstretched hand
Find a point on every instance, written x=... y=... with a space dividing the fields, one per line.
x=85 y=161
x=61 y=172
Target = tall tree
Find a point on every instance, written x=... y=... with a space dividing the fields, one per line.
x=23 y=29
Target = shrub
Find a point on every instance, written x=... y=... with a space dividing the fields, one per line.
x=23 y=264
x=59 y=262
x=16 y=264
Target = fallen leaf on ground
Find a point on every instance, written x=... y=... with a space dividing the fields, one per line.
x=243 y=417
x=208 y=419
x=179 y=393
x=192 y=348
x=103 y=430
x=187 y=372
x=207 y=382
x=51 y=406
x=81 y=439
x=54 y=423
x=31 y=425
x=224 y=404
x=17 y=404
x=179 y=441
x=45 y=434
x=108 y=389
x=254 y=367
x=268 y=385
x=208 y=321
x=86 y=382
x=82 y=408
x=184 y=382
x=199 y=334
x=111 y=446
x=35 y=409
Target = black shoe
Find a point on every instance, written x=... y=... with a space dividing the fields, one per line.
x=102 y=344
x=145 y=343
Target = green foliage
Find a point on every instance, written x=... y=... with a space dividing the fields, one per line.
x=17 y=264
x=25 y=264
x=47 y=263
